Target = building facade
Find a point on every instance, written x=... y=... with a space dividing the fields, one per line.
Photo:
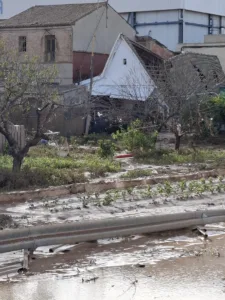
x=168 y=21
x=67 y=35
x=133 y=82
x=174 y=21
x=213 y=45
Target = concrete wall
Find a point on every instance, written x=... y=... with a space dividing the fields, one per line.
x=36 y=46
x=109 y=25
x=214 y=39
x=68 y=120
x=65 y=71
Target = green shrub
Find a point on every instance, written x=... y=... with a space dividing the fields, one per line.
x=134 y=138
x=106 y=148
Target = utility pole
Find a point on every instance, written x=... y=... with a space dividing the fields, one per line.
x=88 y=106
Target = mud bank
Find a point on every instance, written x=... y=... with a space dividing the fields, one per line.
x=174 y=266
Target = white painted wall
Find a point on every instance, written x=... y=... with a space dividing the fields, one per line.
x=109 y=25
x=166 y=34
x=130 y=81
x=157 y=16
x=216 y=7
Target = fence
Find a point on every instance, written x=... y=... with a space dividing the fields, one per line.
x=18 y=133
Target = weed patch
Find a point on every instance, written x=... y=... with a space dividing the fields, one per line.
x=137 y=173
x=167 y=157
x=42 y=167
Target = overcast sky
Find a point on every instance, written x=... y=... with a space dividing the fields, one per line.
x=13 y=7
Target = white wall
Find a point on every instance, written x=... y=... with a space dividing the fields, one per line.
x=129 y=81
x=213 y=7
x=110 y=26
x=216 y=7
x=145 y=5
x=165 y=34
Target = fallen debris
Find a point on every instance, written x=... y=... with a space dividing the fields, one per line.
x=90 y=280
x=6 y=221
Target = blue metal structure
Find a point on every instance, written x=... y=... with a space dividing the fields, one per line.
x=1 y=7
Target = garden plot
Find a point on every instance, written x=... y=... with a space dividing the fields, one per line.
x=165 y=198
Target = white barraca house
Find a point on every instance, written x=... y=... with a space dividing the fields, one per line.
x=127 y=73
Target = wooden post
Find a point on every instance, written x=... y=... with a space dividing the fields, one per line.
x=25 y=260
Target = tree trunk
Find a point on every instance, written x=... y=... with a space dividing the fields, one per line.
x=17 y=163
x=177 y=142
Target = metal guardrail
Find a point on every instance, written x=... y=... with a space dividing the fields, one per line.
x=34 y=237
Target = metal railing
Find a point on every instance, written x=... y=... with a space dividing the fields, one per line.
x=34 y=237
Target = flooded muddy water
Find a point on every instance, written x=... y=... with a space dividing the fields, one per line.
x=184 y=279
x=168 y=266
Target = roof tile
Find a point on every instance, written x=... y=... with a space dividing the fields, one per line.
x=51 y=15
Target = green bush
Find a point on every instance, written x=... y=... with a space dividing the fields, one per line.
x=164 y=156
x=106 y=148
x=134 y=138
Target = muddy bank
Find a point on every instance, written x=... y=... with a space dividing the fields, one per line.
x=170 y=266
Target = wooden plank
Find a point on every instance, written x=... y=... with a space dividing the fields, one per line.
x=18 y=133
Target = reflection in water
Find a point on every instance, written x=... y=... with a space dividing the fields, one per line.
x=166 y=275
x=186 y=279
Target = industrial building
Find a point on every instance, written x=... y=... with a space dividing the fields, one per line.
x=174 y=21
x=169 y=21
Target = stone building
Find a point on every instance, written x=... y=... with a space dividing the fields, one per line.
x=67 y=35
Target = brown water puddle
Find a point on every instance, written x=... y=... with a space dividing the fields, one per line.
x=176 y=266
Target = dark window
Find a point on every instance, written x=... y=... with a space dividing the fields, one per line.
x=50 y=48
x=22 y=44
x=124 y=61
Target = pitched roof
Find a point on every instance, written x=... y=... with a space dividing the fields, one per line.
x=51 y=15
x=147 y=58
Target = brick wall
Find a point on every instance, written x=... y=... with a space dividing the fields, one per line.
x=36 y=41
x=82 y=63
x=155 y=47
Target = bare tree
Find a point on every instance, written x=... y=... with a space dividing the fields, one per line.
x=184 y=83
x=131 y=97
x=25 y=84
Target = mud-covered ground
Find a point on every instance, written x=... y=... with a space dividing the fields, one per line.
x=172 y=265
x=176 y=265
x=167 y=198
